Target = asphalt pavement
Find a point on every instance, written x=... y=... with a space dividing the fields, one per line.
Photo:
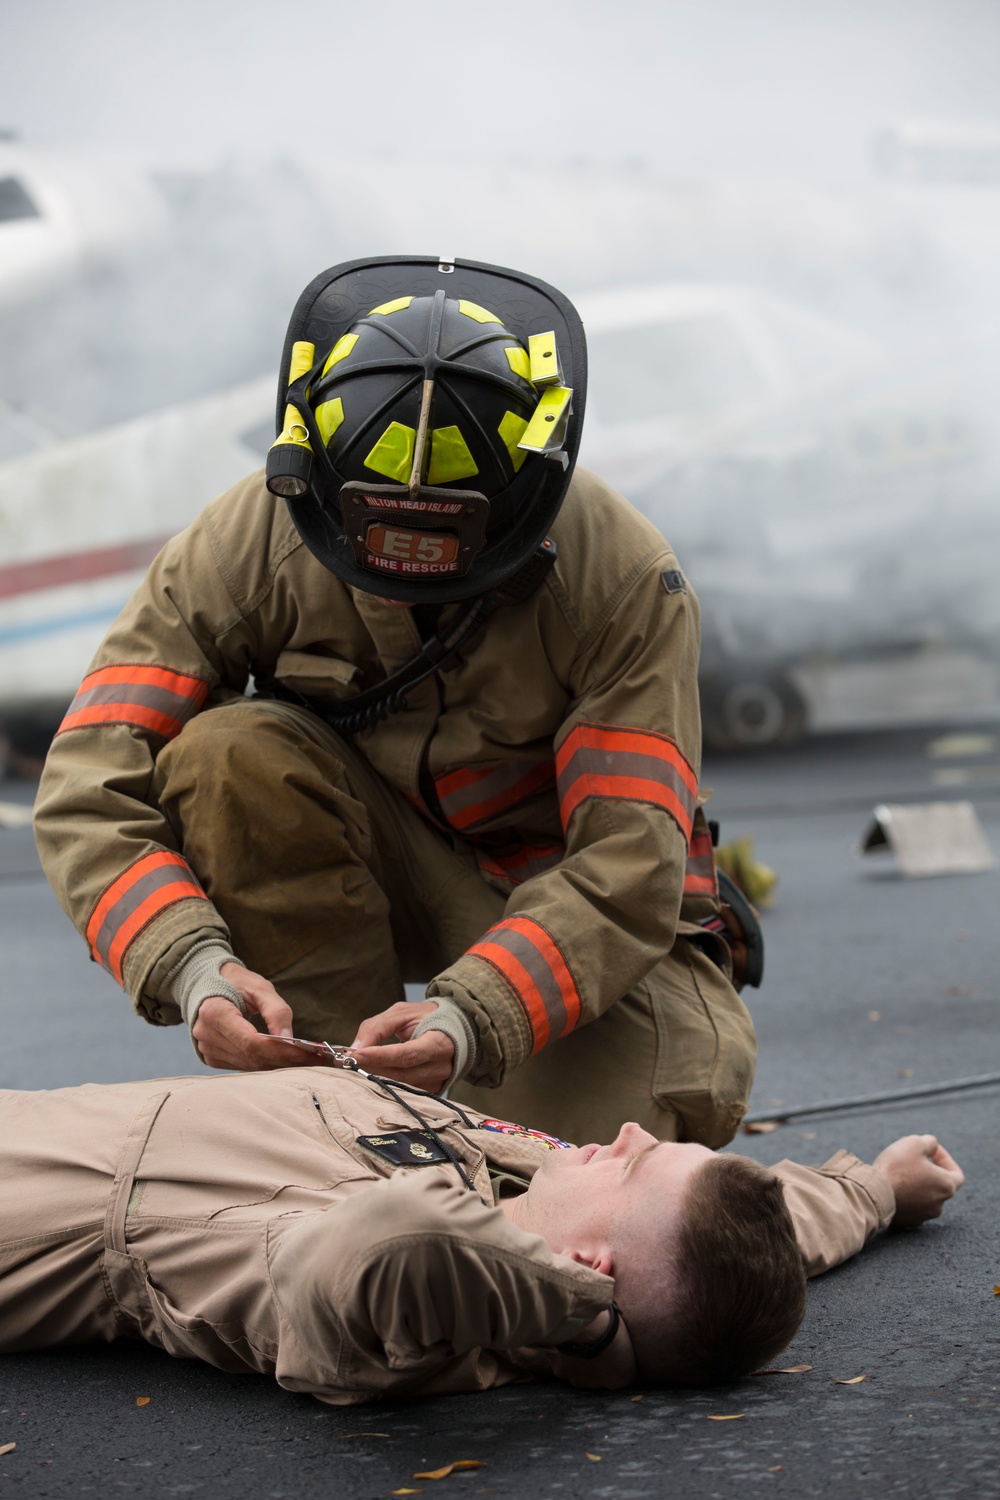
x=874 y=982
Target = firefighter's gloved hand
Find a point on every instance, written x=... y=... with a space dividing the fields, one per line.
x=436 y=1043
x=216 y=996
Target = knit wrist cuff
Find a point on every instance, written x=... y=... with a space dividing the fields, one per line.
x=452 y=1020
x=198 y=977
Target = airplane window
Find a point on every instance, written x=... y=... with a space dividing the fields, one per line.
x=691 y=367
x=15 y=202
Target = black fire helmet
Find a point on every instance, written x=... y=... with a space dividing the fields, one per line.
x=429 y=418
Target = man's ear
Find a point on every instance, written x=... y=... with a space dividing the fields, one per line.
x=596 y=1260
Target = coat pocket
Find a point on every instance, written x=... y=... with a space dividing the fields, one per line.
x=706 y=1046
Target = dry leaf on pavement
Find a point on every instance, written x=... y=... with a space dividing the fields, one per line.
x=7 y=1448
x=405 y=1491
x=785 y=1370
x=595 y=1458
x=854 y=1380
x=733 y=1416
x=442 y=1473
x=143 y=1400
x=639 y=1398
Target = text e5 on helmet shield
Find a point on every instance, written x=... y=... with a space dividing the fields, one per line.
x=429 y=533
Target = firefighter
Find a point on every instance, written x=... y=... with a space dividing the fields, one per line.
x=418 y=703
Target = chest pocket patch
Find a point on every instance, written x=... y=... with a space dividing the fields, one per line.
x=405 y=1148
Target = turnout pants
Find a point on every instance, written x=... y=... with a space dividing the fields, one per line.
x=339 y=891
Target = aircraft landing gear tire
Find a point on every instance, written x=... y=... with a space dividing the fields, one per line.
x=751 y=711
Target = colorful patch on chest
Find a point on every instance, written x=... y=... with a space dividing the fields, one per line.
x=506 y=1127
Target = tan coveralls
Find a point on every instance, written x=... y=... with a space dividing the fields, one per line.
x=525 y=834
x=238 y=1220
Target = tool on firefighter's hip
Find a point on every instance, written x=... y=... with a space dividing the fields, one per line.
x=737 y=924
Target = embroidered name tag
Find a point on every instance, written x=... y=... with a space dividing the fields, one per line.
x=405 y=1148
x=505 y=1127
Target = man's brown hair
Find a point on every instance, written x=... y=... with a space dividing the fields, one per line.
x=741 y=1288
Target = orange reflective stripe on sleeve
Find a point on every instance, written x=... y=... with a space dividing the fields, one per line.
x=472 y=794
x=699 y=873
x=605 y=760
x=532 y=963
x=132 y=901
x=153 y=698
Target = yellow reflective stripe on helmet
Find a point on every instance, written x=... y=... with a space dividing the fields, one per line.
x=544 y=356
x=510 y=430
x=301 y=362
x=450 y=456
x=294 y=430
x=392 y=455
x=472 y=310
x=340 y=350
x=388 y=307
x=547 y=427
x=329 y=415
x=518 y=360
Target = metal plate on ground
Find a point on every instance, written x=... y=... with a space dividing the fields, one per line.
x=931 y=838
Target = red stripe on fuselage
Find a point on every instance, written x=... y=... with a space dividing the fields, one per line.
x=77 y=567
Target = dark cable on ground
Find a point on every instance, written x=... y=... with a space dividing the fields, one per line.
x=868 y=1101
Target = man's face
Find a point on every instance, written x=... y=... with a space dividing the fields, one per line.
x=587 y=1196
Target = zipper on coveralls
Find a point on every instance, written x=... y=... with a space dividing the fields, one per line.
x=319 y=1111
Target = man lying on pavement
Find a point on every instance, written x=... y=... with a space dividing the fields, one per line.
x=354 y=1238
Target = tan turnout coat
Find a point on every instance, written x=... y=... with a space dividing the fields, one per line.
x=239 y=1220
x=564 y=749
